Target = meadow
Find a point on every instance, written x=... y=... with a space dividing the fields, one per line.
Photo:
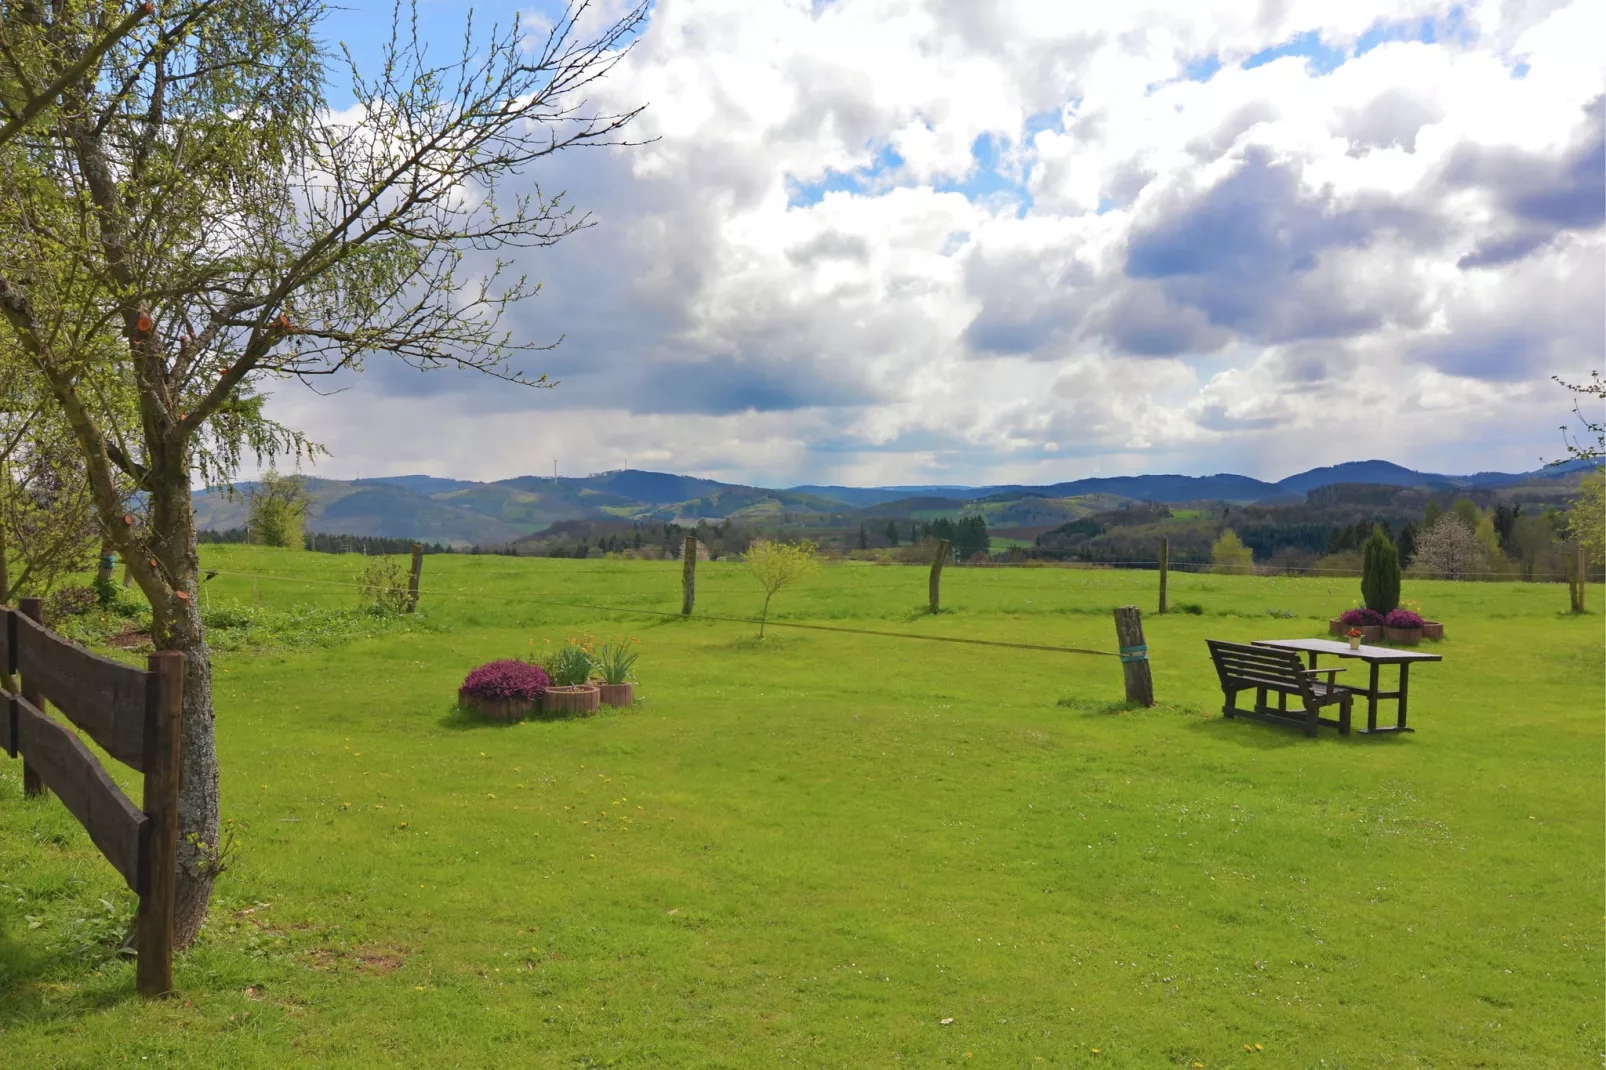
x=830 y=849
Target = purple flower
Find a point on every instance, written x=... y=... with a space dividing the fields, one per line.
x=506 y=679
x=1361 y=618
x=1402 y=618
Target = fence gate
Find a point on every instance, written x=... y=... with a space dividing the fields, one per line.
x=134 y=715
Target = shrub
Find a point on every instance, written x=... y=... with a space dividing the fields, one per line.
x=69 y=602
x=382 y=586
x=1361 y=618
x=776 y=565
x=506 y=679
x=1380 y=573
x=1403 y=618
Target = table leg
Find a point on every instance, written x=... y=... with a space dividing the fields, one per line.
x=1312 y=658
x=1405 y=669
x=1371 y=703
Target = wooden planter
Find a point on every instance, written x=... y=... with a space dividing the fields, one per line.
x=1404 y=636
x=497 y=709
x=618 y=694
x=583 y=700
x=1432 y=629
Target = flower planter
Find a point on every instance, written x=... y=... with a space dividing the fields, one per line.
x=618 y=694
x=1370 y=633
x=497 y=709
x=1432 y=629
x=1404 y=636
x=584 y=700
x=1354 y=642
x=1336 y=627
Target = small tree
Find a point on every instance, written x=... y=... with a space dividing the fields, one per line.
x=278 y=511
x=1229 y=555
x=776 y=565
x=1447 y=550
x=892 y=533
x=1380 y=574
x=1586 y=520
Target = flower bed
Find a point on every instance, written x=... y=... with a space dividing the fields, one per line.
x=503 y=690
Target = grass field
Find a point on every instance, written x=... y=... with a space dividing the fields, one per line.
x=814 y=849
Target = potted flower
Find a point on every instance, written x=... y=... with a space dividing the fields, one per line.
x=503 y=690
x=1369 y=621
x=1404 y=627
x=614 y=662
x=1354 y=637
x=571 y=691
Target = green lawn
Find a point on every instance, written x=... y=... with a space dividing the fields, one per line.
x=812 y=850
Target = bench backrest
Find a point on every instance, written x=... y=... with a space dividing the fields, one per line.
x=1241 y=665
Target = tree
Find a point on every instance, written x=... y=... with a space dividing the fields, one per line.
x=278 y=510
x=970 y=537
x=864 y=537
x=1430 y=516
x=1448 y=550
x=776 y=565
x=1586 y=520
x=1468 y=511
x=1407 y=543
x=1581 y=449
x=37 y=68
x=186 y=219
x=892 y=533
x=1380 y=573
x=1229 y=556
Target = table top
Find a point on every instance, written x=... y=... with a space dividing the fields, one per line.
x=1372 y=654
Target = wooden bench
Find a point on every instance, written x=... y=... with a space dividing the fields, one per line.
x=1242 y=667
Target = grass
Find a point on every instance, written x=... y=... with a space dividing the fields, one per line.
x=813 y=849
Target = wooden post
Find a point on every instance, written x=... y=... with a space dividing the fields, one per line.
x=153 y=925
x=1165 y=560
x=1577 y=577
x=1134 y=655
x=936 y=574
x=32 y=785
x=412 y=580
x=688 y=575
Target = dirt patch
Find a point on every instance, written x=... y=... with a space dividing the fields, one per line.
x=377 y=959
x=130 y=638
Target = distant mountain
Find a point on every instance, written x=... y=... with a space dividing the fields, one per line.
x=462 y=512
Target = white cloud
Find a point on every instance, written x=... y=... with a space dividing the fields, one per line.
x=810 y=276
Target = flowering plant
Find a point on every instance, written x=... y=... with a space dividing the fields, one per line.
x=1361 y=618
x=506 y=679
x=1403 y=618
x=571 y=665
x=615 y=659
x=1354 y=633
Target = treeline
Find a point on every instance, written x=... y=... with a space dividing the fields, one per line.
x=324 y=543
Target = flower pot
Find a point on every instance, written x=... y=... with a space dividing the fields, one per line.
x=1432 y=629
x=1354 y=642
x=1404 y=636
x=618 y=694
x=496 y=709
x=584 y=699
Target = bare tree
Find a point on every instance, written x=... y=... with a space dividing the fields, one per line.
x=190 y=196
x=1448 y=550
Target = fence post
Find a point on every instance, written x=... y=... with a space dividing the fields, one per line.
x=1165 y=560
x=1134 y=655
x=153 y=925
x=936 y=574
x=688 y=575
x=412 y=580
x=1578 y=577
x=32 y=786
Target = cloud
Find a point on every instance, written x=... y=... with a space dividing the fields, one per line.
x=927 y=241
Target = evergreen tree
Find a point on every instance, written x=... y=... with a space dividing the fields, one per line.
x=1380 y=574
x=864 y=538
x=892 y=533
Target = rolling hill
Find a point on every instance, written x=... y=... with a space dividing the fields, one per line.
x=464 y=513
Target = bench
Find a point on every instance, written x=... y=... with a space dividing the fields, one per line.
x=1242 y=667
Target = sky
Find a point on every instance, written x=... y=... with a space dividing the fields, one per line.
x=943 y=241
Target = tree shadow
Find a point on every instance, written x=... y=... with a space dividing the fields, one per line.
x=458 y=719
x=22 y=997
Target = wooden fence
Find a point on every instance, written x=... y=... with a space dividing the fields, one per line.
x=134 y=715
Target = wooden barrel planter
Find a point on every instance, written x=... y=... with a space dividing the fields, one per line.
x=582 y=700
x=618 y=694
x=497 y=709
x=1370 y=633
x=1404 y=636
x=1432 y=629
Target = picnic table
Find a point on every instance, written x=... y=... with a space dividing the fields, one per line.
x=1374 y=656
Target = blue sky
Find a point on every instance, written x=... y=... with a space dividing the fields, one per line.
x=930 y=242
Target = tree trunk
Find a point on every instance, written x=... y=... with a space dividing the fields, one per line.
x=765 y=616
x=173 y=532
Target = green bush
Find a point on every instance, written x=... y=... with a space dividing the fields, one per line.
x=382 y=587
x=1380 y=574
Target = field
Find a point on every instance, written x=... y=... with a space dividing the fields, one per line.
x=816 y=849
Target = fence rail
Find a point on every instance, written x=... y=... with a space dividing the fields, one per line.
x=132 y=714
